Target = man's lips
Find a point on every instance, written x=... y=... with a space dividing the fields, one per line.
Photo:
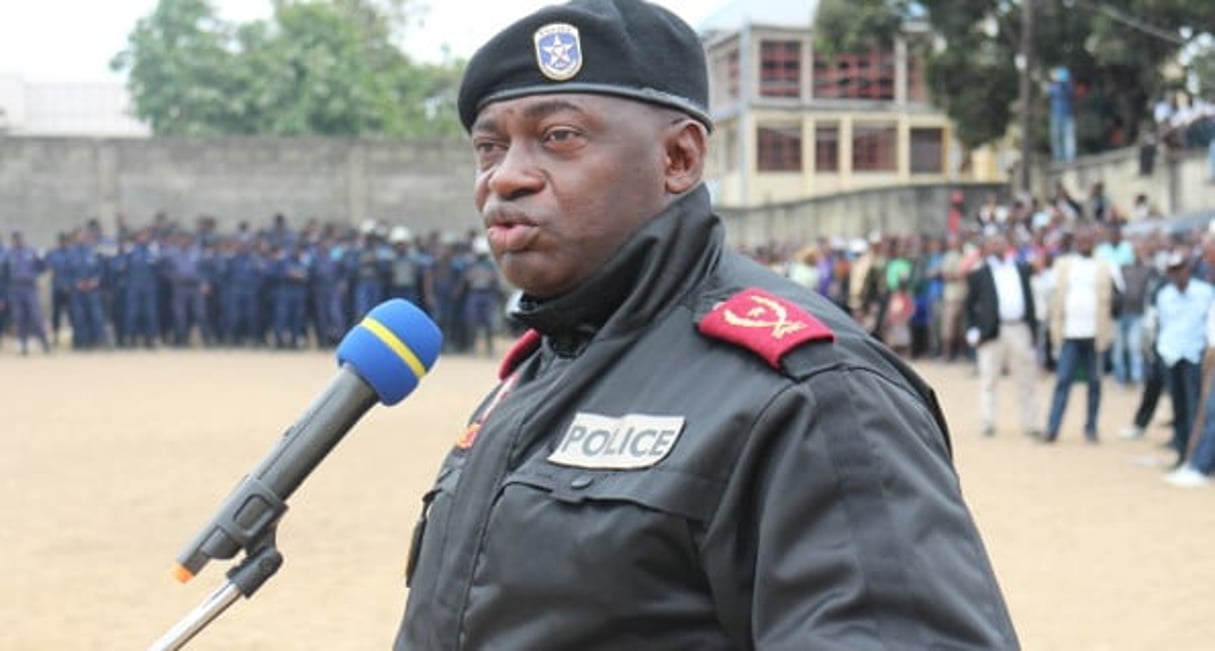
x=507 y=236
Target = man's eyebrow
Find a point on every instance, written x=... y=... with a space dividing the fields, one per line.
x=485 y=125
x=546 y=108
x=537 y=111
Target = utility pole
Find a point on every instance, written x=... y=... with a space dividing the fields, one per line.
x=1026 y=92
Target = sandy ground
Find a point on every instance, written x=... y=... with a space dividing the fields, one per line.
x=111 y=462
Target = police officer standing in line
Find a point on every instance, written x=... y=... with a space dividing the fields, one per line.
x=479 y=293
x=4 y=303
x=290 y=271
x=445 y=276
x=140 y=268
x=58 y=260
x=86 y=270
x=686 y=451
x=185 y=270
x=406 y=271
x=328 y=292
x=23 y=265
x=243 y=276
x=368 y=266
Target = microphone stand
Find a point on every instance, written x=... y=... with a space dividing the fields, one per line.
x=261 y=561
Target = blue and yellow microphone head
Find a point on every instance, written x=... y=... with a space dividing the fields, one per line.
x=392 y=348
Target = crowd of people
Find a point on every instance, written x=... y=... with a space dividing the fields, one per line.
x=1059 y=285
x=273 y=287
x=1080 y=289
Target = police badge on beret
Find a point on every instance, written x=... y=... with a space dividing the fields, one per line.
x=558 y=51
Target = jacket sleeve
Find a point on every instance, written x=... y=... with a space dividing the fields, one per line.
x=971 y=303
x=843 y=528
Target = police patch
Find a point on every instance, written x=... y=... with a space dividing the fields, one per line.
x=606 y=442
x=558 y=51
x=763 y=323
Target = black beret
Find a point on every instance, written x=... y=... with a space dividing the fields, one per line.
x=626 y=48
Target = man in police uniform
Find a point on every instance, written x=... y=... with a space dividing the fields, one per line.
x=686 y=451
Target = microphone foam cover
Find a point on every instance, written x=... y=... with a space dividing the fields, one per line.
x=392 y=348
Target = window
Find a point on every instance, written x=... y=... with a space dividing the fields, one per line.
x=868 y=75
x=780 y=149
x=873 y=148
x=927 y=151
x=780 y=70
x=827 y=148
x=725 y=77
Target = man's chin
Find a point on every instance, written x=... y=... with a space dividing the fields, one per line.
x=528 y=273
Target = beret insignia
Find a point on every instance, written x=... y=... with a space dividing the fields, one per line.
x=558 y=51
x=764 y=324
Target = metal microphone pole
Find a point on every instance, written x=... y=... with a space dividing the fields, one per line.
x=243 y=580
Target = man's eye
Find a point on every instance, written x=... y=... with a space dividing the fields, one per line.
x=484 y=146
x=560 y=136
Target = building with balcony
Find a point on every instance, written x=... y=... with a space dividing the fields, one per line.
x=791 y=123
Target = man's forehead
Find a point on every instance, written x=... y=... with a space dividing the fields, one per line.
x=539 y=106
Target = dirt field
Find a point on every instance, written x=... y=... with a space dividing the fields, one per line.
x=111 y=462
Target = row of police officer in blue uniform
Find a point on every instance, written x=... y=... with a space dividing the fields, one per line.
x=240 y=290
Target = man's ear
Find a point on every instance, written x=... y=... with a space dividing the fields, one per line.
x=686 y=144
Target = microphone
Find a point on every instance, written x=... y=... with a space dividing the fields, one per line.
x=381 y=360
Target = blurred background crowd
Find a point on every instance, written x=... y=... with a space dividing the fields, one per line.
x=268 y=286
x=1096 y=279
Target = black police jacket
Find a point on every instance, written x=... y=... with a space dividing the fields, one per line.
x=636 y=484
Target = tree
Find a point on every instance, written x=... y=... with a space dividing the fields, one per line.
x=316 y=67
x=1203 y=68
x=180 y=68
x=1114 y=58
x=855 y=25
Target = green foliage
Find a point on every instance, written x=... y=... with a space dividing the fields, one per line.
x=1114 y=49
x=1109 y=47
x=977 y=87
x=843 y=26
x=316 y=67
x=1203 y=68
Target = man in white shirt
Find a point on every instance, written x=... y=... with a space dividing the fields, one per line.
x=1182 y=309
x=1001 y=324
x=1081 y=321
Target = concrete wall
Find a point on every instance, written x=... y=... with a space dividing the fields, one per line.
x=1176 y=185
x=49 y=184
x=903 y=209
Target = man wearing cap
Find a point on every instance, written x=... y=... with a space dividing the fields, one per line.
x=407 y=269
x=481 y=294
x=1181 y=311
x=686 y=451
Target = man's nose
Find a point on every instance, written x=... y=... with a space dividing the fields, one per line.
x=516 y=175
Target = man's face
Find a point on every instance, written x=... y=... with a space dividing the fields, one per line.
x=1179 y=275
x=997 y=246
x=1084 y=242
x=563 y=180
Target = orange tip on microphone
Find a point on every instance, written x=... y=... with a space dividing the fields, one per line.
x=181 y=573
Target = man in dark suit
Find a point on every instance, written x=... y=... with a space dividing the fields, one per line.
x=1001 y=324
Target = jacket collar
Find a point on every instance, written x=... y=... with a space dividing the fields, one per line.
x=652 y=270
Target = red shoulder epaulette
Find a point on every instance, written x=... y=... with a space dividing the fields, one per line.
x=767 y=325
x=519 y=351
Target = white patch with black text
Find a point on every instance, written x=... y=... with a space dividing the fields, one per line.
x=629 y=441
